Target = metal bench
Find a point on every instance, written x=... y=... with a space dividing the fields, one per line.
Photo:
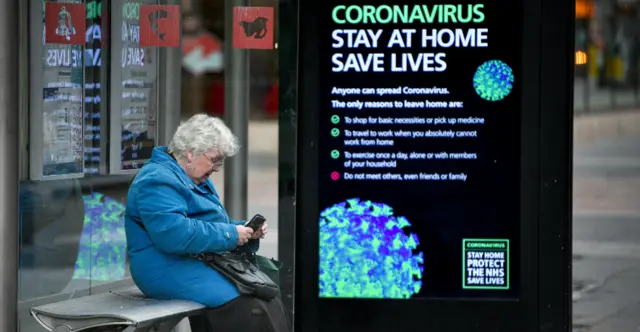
x=125 y=310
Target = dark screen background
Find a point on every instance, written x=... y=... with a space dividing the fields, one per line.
x=442 y=213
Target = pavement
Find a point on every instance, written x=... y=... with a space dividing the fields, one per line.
x=606 y=230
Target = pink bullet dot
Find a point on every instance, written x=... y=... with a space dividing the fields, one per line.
x=335 y=176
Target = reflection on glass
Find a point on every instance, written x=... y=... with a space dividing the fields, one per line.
x=139 y=90
x=62 y=110
x=51 y=220
x=102 y=254
x=71 y=230
x=92 y=88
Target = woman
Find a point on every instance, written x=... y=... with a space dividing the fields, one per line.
x=174 y=211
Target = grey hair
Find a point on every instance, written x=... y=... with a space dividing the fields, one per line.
x=202 y=133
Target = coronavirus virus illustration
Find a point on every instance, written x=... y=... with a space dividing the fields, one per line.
x=493 y=80
x=365 y=253
x=103 y=244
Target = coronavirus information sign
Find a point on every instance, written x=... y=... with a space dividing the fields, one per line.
x=419 y=149
x=486 y=264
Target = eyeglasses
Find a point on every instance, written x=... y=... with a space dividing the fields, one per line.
x=215 y=164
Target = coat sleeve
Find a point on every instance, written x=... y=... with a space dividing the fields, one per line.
x=238 y=222
x=163 y=211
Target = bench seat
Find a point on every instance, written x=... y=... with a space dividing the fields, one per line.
x=125 y=310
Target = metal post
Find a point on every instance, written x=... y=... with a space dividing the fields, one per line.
x=169 y=88
x=9 y=216
x=287 y=125
x=236 y=115
x=170 y=92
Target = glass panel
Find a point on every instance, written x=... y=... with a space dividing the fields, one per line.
x=62 y=80
x=72 y=230
x=271 y=137
x=204 y=28
x=103 y=245
x=138 y=106
x=51 y=220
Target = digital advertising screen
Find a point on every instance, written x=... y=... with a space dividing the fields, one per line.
x=419 y=149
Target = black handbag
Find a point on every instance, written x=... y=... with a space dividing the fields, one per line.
x=268 y=266
x=239 y=269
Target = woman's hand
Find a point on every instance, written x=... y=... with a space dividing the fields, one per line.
x=259 y=234
x=244 y=235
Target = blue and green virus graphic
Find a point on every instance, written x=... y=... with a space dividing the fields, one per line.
x=493 y=80
x=365 y=253
x=103 y=244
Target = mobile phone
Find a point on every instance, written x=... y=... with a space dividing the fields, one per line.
x=256 y=222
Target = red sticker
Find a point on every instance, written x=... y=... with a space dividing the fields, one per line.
x=253 y=27
x=160 y=25
x=65 y=23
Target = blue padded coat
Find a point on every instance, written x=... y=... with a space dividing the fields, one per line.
x=180 y=218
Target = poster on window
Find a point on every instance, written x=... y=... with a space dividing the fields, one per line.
x=62 y=110
x=62 y=129
x=138 y=103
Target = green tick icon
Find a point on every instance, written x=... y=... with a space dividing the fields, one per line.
x=335 y=132
x=335 y=154
x=335 y=119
